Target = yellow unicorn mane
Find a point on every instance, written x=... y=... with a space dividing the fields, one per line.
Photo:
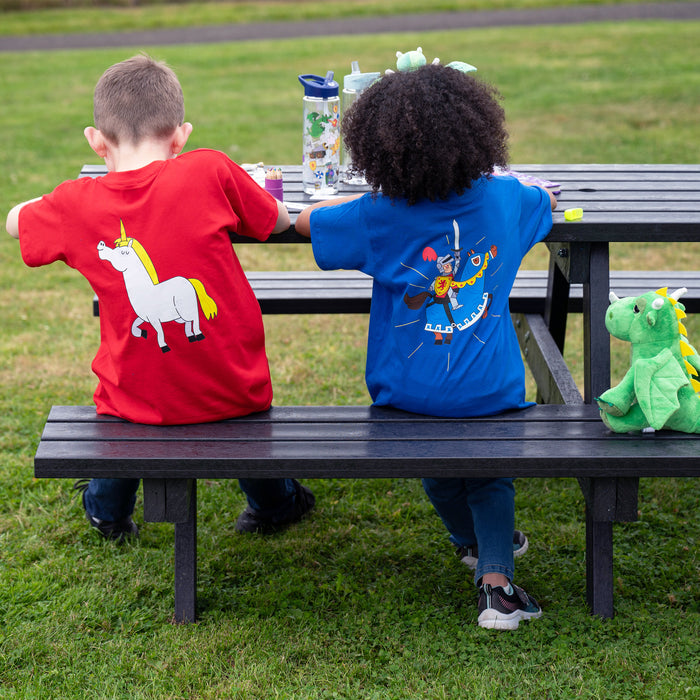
x=139 y=250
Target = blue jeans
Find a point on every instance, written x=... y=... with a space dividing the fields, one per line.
x=114 y=499
x=481 y=512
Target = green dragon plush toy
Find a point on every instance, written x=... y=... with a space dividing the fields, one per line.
x=660 y=389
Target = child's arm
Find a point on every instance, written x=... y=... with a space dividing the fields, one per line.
x=12 y=221
x=283 y=222
x=302 y=224
x=552 y=198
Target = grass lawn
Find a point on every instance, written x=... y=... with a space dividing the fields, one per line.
x=364 y=599
x=57 y=16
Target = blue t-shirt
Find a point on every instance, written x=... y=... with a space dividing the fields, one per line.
x=441 y=341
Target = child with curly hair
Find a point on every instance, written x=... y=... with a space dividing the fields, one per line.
x=443 y=239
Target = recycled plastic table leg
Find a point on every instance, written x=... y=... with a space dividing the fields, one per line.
x=175 y=501
x=557 y=303
x=600 y=493
x=596 y=339
x=608 y=500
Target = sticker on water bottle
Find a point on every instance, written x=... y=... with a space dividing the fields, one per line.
x=322 y=146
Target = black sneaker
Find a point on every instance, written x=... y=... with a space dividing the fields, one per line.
x=251 y=521
x=499 y=610
x=469 y=555
x=117 y=530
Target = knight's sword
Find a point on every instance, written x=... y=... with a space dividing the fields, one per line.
x=456 y=228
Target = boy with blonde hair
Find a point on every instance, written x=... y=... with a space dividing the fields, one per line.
x=182 y=338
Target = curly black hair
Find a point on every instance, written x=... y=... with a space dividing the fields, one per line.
x=426 y=133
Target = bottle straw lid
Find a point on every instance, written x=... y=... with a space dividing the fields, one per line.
x=357 y=80
x=317 y=86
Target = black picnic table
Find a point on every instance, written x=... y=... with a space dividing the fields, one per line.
x=621 y=204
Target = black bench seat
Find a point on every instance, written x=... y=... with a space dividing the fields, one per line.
x=359 y=442
x=367 y=442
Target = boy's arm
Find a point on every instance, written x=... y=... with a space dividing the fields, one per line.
x=12 y=221
x=283 y=222
x=303 y=225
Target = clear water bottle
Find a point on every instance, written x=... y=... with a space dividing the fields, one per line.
x=321 y=134
x=353 y=85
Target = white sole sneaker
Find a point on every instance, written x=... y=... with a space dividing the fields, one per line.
x=503 y=611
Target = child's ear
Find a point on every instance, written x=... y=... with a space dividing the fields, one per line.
x=96 y=140
x=182 y=133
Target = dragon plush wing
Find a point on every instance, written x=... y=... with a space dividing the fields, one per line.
x=656 y=384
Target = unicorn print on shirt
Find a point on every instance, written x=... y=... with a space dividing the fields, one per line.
x=154 y=302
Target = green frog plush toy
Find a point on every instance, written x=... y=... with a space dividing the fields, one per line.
x=659 y=391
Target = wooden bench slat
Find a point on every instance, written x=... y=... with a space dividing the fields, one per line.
x=228 y=434
x=347 y=414
x=317 y=292
x=583 y=197
x=334 y=459
x=622 y=206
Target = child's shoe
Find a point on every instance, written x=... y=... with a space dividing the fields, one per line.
x=469 y=555
x=251 y=521
x=119 y=530
x=500 y=610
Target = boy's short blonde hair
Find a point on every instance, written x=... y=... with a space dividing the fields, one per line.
x=137 y=99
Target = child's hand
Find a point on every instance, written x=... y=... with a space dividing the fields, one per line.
x=552 y=198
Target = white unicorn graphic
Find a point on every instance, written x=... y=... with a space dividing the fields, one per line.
x=157 y=302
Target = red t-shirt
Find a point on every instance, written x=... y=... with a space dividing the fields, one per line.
x=182 y=337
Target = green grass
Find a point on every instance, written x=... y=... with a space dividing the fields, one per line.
x=364 y=599
x=56 y=16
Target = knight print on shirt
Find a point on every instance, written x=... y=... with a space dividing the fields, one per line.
x=450 y=303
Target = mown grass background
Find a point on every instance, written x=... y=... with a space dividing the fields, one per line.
x=364 y=599
x=51 y=16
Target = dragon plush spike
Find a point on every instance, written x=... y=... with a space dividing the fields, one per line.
x=659 y=390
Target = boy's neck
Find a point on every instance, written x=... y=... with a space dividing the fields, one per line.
x=129 y=157
x=121 y=157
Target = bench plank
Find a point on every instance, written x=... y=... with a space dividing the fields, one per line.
x=343 y=291
x=281 y=443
